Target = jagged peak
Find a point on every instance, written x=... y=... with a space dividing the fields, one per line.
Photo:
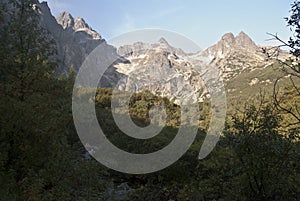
x=230 y=43
x=65 y=15
x=241 y=34
x=162 y=40
x=80 y=19
x=228 y=37
x=66 y=20
x=242 y=39
x=80 y=23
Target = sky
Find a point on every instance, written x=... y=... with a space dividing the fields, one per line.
x=202 y=21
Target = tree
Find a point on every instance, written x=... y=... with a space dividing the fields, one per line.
x=34 y=110
x=287 y=100
x=41 y=155
x=268 y=156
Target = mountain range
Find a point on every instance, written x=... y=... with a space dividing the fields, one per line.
x=160 y=68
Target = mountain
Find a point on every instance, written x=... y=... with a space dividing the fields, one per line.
x=244 y=67
x=74 y=38
x=229 y=43
x=77 y=25
x=234 y=54
x=167 y=71
x=160 y=68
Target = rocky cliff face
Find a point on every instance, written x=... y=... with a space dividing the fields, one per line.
x=229 y=44
x=235 y=54
x=168 y=71
x=76 y=25
x=162 y=69
x=73 y=37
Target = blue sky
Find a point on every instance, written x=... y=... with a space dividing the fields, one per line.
x=203 y=21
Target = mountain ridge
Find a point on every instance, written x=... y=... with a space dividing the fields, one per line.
x=74 y=40
x=159 y=67
x=67 y=21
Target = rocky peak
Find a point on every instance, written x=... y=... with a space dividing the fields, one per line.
x=161 y=47
x=79 y=23
x=136 y=49
x=243 y=40
x=162 y=40
x=229 y=43
x=234 y=54
x=228 y=38
x=66 y=20
x=74 y=39
x=164 y=46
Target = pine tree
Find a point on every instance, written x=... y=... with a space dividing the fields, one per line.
x=35 y=110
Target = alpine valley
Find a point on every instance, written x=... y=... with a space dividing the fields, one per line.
x=250 y=133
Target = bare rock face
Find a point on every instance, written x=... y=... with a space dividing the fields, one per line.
x=230 y=43
x=169 y=72
x=244 y=41
x=80 y=24
x=234 y=55
x=65 y=20
x=162 y=69
x=222 y=48
x=73 y=37
x=134 y=50
x=228 y=38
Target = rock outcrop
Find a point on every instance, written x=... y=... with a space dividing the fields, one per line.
x=73 y=37
x=234 y=55
x=67 y=22
x=162 y=69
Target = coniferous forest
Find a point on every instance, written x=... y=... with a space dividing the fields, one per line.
x=42 y=158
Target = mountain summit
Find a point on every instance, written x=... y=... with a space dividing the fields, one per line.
x=67 y=21
x=162 y=40
x=159 y=67
x=234 y=54
x=228 y=38
x=229 y=43
x=74 y=38
x=243 y=40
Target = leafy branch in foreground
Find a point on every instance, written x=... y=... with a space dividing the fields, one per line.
x=287 y=99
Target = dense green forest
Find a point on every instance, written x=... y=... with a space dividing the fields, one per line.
x=42 y=158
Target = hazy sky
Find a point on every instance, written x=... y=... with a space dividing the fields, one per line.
x=203 y=21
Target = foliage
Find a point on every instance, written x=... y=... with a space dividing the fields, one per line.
x=290 y=67
x=267 y=156
x=255 y=160
x=39 y=157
